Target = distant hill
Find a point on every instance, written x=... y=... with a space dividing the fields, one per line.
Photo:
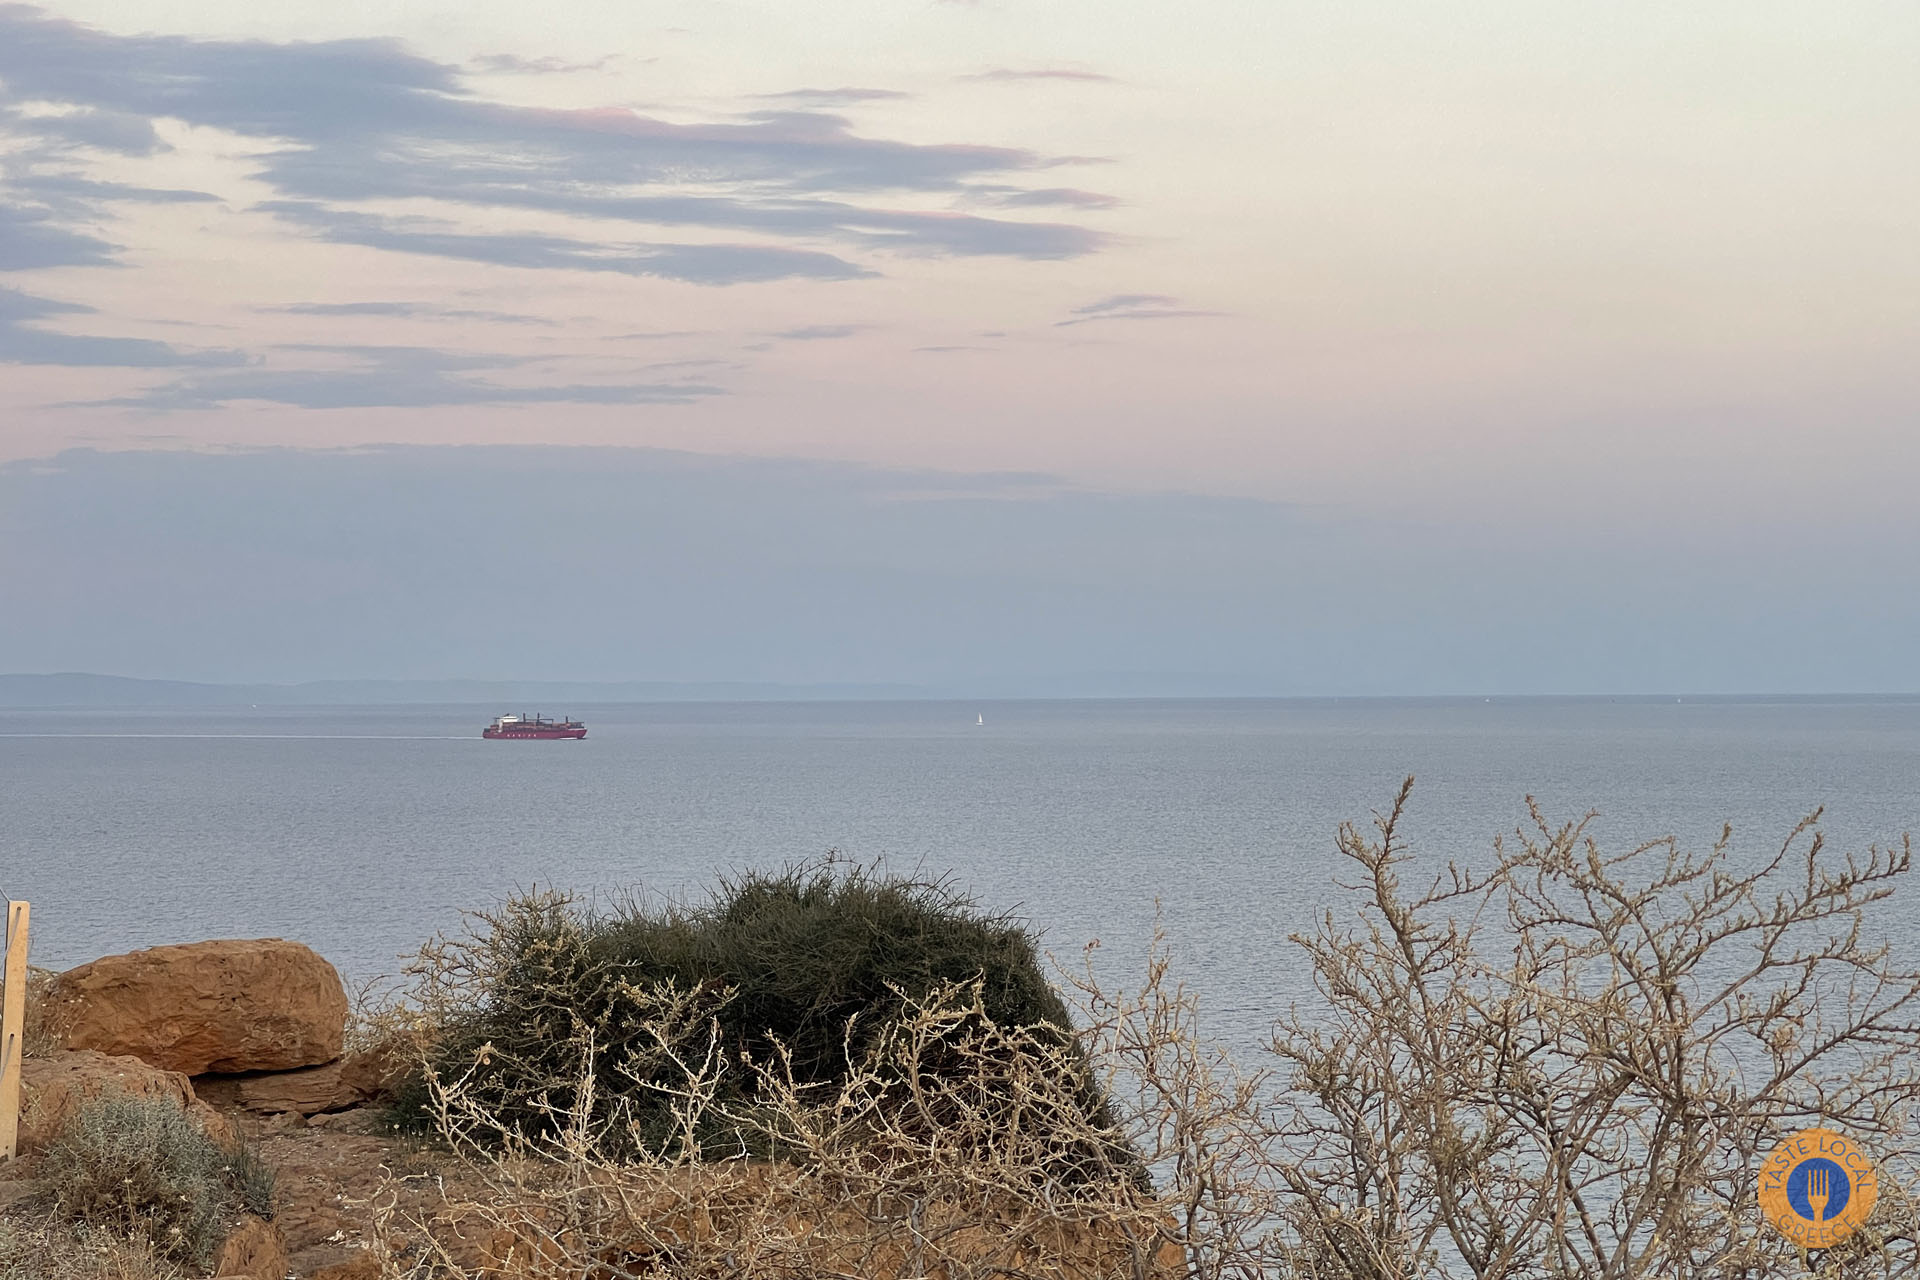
x=84 y=689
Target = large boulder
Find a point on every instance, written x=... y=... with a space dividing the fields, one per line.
x=259 y=1005
x=55 y=1087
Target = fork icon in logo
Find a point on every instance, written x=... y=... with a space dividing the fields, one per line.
x=1819 y=1191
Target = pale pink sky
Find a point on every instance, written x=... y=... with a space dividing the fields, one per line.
x=1635 y=265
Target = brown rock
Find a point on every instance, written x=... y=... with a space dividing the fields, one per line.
x=253 y=1249
x=53 y=1088
x=363 y=1265
x=374 y=1072
x=305 y=1092
x=259 y=1005
x=305 y=1262
x=305 y=1222
x=214 y=1125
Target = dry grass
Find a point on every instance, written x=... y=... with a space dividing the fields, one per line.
x=46 y=1249
x=140 y=1167
x=988 y=1167
x=37 y=1038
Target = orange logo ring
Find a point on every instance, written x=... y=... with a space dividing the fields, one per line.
x=1817 y=1188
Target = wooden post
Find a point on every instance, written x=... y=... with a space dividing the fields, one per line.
x=13 y=1028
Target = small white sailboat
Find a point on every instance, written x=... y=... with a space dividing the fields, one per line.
x=980 y=719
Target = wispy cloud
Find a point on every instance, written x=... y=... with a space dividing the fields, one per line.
x=407 y=311
x=1068 y=197
x=817 y=332
x=23 y=341
x=1126 y=301
x=514 y=64
x=395 y=377
x=30 y=241
x=70 y=193
x=845 y=97
x=1043 y=73
x=120 y=131
x=695 y=263
x=694 y=364
x=388 y=356
x=344 y=133
x=925 y=232
x=360 y=120
x=1134 y=306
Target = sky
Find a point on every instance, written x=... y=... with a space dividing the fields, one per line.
x=1356 y=346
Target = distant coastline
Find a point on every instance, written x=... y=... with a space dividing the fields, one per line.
x=84 y=689
x=80 y=689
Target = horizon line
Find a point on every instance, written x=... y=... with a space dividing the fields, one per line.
x=607 y=692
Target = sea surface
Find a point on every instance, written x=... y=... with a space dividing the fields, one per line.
x=365 y=831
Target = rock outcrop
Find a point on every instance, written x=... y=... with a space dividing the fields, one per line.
x=253 y=1250
x=363 y=1265
x=309 y=1091
x=258 y=1005
x=377 y=1071
x=54 y=1088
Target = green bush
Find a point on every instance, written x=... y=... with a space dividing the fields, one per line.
x=813 y=962
x=141 y=1167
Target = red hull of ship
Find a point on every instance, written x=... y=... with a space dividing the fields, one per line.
x=538 y=734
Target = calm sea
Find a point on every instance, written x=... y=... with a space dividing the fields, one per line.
x=364 y=831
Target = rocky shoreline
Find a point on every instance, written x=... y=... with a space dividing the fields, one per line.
x=250 y=1038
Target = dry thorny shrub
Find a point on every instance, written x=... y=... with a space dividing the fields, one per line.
x=46 y=1248
x=901 y=1169
x=1573 y=1063
x=144 y=1169
x=1568 y=1064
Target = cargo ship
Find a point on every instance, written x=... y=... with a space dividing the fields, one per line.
x=536 y=727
